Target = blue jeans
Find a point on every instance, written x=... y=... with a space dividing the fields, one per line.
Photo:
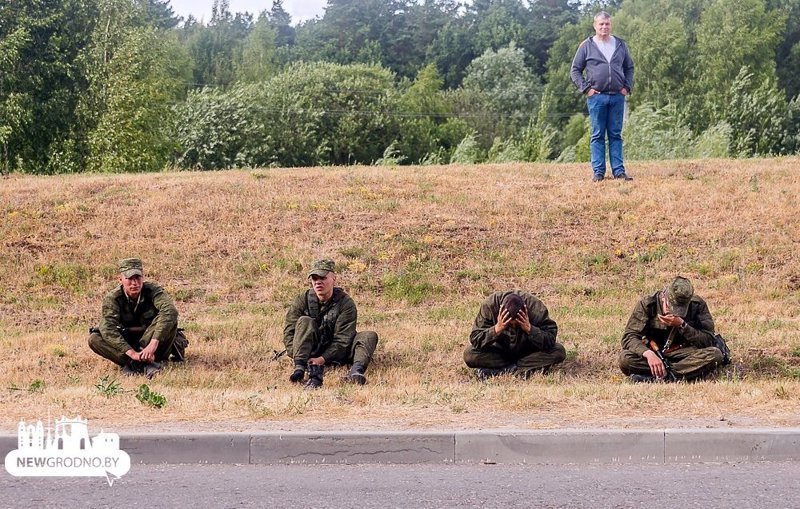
x=606 y=112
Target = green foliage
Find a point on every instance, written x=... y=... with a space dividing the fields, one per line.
x=134 y=89
x=758 y=114
x=37 y=385
x=656 y=134
x=467 y=152
x=714 y=141
x=101 y=85
x=731 y=34
x=313 y=114
x=410 y=285
x=391 y=156
x=216 y=129
x=41 y=79
x=108 y=386
x=259 y=58
x=505 y=151
x=71 y=277
x=146 y=396
x=511 y=90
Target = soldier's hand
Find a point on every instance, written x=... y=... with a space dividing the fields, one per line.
x=523 y=321
x=670 y=320
x=319 y=361
x=503 y=321
x=656 y=366
x=148 y=354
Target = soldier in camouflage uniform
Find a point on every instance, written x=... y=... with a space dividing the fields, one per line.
x=320 y=330
x=139 y=324
x=674 y=318
x=513 y=334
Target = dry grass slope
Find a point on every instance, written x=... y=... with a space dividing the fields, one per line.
x=419 y=248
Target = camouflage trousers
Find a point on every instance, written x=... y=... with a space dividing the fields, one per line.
x=498 y=358
x=306 y=344
x=688 y=362
x=111 y=352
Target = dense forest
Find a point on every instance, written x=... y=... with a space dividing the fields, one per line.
x=127 y=86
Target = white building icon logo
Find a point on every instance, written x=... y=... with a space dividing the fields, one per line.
x=66 y=451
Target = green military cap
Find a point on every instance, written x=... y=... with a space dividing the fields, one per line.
x=679 y=293
x=322 y=267
x=130 y=267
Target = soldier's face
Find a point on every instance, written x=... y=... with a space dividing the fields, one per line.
x=132 y=285
x=323 y=285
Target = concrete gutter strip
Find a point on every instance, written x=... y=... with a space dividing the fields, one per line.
x=577 y=446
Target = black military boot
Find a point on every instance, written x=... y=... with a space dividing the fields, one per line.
x=315 y=372
x=356 y=375
x=298 y=374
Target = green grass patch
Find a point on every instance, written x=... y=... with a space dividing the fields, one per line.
x=72 y=277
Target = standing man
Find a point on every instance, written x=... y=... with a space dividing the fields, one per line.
x=609 y=78
x=139 y=324
x=679 y=324
x=513 y=334
x=320 y=330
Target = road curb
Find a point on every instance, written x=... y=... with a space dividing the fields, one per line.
x=575 y=446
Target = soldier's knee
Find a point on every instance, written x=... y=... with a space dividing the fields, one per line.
x=95 y=340
x=304 y=323
x=625 y=362
x=716 y=354
x=471 y=358
x=559 y=353
x=368 y=338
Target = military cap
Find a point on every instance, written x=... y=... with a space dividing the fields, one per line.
x=130 y=267
x=512 y=303
x=679 y=293
x=322 y=267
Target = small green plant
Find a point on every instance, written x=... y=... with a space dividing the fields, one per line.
x=108 y=387
x=37 y=385
x=391 y=156
x=653 y=255
x=781 y=392
x=146 y=396
x=796 y=351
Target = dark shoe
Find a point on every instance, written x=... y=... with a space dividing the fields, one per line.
x=597 y=178
x=315 y=372
x=133 y=368
x=151 y=369
x=298 y=374
x=623 y=176
x=487 y=373
x=356 y=375
x=642 y=379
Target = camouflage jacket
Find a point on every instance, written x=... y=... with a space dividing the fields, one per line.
x=644 y=324
x=543 y=330
x=154 y=308
x=335 y=321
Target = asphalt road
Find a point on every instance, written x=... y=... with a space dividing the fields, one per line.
x=740 y=486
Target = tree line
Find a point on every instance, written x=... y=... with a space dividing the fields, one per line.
x=128 y=86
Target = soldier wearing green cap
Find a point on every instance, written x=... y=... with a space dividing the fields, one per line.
x=513 y=334
x=680 y=324
x=139 y=324
x=320 y=330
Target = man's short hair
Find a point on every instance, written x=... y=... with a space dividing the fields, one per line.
x=513 y=303
x=602 y=15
